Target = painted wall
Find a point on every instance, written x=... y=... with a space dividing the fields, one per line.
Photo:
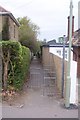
x=55 y=51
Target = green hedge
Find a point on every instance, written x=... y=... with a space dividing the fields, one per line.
x=19 y=63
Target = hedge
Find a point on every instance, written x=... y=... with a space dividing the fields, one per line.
x=19 y=63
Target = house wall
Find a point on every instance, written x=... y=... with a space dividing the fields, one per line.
x=59 y=52
x=4 y=19
x=0 y=27
x=76 y=57
x=13 y=30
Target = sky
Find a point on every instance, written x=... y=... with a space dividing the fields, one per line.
x=49 y=15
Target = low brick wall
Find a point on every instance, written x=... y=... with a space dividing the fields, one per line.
x=76 y=57
x=58 y=67
x=55 y=63
x=45 y=56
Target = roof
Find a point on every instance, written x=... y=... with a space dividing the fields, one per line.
x=4 y=12
x=51 y=42
x=2 y=9
x=76 y=39
x=54 y=44
x=59 y=45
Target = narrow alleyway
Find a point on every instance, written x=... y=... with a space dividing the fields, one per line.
x=40 y=98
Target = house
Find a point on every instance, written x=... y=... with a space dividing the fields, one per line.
x=75 y=44
x=57 y=48
x=51 y=42
x=76 y=50
x=8 y=25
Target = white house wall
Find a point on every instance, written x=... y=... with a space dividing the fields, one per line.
x=55 y=49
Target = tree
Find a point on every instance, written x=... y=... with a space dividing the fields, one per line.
x=5 y=56
x=28 y=32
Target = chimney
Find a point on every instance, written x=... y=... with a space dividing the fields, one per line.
x=72 y=26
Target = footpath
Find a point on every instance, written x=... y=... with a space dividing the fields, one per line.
x=39 y=99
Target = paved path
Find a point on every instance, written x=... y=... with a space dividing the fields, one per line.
x=39 y=99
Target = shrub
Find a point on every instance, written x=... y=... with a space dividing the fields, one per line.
x=18 y=62
x=21 y=68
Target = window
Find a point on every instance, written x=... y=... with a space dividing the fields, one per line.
x=14 y=30
x=66 y=54
x=59 y=52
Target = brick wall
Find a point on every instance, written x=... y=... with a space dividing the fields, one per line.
x=45 y=56
x=76 y=57
x=58 y=66
x=55 y=63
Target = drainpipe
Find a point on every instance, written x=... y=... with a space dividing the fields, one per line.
x=68 y=81
x=63 y=66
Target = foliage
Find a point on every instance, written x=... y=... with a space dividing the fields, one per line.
x=21 y=68
x=28 y=32
x=19 y=58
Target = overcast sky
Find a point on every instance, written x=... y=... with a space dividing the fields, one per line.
x=49 y=15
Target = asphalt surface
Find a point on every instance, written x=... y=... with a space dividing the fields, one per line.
x=40 y=99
